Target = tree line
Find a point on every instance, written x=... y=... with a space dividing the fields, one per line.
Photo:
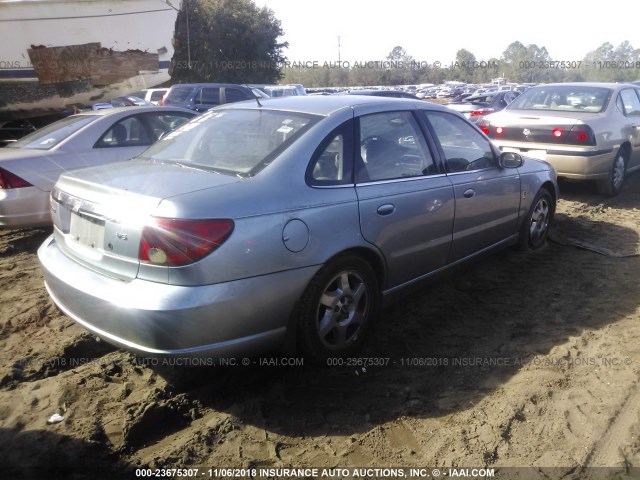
x=236 y=41
x=518 y=64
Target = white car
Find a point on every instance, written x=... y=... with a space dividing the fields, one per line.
x=30 y=166
x=587 y=131
x=151 y=95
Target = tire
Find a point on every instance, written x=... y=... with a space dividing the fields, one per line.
x=337 y=308
x=535 y=229
x=612 y=185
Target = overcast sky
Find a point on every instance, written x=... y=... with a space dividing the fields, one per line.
x=434 y=31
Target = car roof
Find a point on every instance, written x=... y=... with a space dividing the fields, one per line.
x=381 y=92
x=132 y=110
x=371 y=91
x=194 y=85
x=581 y=84
x=327 y=104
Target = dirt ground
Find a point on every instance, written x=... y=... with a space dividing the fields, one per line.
x=521 y=360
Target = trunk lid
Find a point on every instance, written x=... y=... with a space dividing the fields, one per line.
x=99 y=213
x=533 y=126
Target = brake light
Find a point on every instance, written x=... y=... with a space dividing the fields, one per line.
x=175 y=242
x=8 y=180
x=481 y=112
x=485 y=128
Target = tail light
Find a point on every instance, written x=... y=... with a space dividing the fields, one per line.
x=578 y=135
x=175 y=242
x=481 y=112
x=582 y=135
x=499 y=131
x=8 y=180
x=485 y=128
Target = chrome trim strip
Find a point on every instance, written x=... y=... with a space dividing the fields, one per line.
x=399 y=180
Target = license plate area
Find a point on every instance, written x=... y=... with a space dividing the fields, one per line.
x=87 y=230
x=538 y=154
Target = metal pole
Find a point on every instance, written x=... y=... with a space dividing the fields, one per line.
x=186 y=9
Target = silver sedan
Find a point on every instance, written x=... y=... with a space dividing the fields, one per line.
x=587 y=131
x=30 y=167
x=292 y=220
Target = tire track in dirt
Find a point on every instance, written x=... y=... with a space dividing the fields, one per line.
x=607 y=452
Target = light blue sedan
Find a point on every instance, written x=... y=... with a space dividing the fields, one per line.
x=284 y=223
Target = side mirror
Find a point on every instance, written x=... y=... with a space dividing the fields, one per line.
x=510 y=160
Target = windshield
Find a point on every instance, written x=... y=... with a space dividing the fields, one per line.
x=563 y=98
x=234 y=142
x=51 y=135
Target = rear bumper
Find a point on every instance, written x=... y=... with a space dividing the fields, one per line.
x=578 y=164
x=24 y=207
x=242 y=317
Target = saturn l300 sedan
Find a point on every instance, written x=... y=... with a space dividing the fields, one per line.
x=285 y=222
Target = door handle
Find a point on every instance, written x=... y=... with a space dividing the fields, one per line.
x=386 y=209
x=469 y=193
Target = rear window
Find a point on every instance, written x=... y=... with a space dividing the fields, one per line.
x=563 y=98
x=480 y=99
x=235 y=95
x=157 y=96
x=234 y=142
x=51 y=135
x=178 y=95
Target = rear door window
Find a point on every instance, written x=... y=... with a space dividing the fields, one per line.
x=630 y=102
x=391 y=147
x=208 y=96
x=332 y=163
x=235 y=95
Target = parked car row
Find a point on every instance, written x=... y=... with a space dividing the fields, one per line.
x=454 y=90
x=383 y=93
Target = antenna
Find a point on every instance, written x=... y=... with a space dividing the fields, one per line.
x=241 y=79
